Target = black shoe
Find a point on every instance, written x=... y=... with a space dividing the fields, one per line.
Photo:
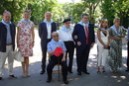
x=86 y=72
x=12 y=76
x=1 y=78
x=66 y=82
x=70 y=71
x=48 y=80
x=127 y=70
x=42 y=72
x=79 y=73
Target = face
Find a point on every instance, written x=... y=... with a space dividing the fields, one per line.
x=117 y=22
x=104 y=24
x=85 y=19
x=26 y=15
x=7 y=17
x=48 y=16
x=55 y=37
x=67 y=24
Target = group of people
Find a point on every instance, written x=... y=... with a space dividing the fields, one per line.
x=60 y=44
x=67 y=38
x=110 y=45
x=25 y=41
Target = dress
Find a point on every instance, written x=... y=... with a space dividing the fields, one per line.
x=102 y=53
x=25 y=37
x=115 y=52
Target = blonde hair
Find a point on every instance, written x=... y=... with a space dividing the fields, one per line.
x=102 y=21
x=28 y=11
x=115 y=19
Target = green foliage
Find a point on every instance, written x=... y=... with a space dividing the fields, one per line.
x=116 y=8
x=109 y=9
x=74 y=11
x=14 y=6
x=92 y=5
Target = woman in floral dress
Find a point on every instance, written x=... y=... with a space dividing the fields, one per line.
x=116 y=33
x=25 y=40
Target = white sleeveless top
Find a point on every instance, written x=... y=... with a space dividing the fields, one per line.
x=103 y=38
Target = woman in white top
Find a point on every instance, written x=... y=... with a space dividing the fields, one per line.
x=103 y=45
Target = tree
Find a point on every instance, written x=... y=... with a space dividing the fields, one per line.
x=14 y=6
x=107 y=10
x=39 y=7
x=116 y=8
x=92 y=5
x=122 y=10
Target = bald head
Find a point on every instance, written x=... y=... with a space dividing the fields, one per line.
x=6 y=16
x=55 y=36
x=48 y=16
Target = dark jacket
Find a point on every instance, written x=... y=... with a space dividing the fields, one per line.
x=43 y=32
x=3 y=36
x=80 y=33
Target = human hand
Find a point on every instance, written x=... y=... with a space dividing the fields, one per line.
x=79 y=43
x=92 y=45
x=63 y=59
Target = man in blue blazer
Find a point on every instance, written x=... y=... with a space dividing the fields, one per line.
x=45 y=30
x=7 y=43
x=84 y=38
x=128 y=53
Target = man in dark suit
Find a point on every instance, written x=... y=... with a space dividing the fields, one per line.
x=7 y=43
x=127 y=70
x=45 y=29
x=84 y=38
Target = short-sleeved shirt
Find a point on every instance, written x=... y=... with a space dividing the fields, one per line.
x=52 y=45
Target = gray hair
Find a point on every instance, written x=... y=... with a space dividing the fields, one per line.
x=115 y=19
x=6 y=12
x=48 y=13
x=55 y=33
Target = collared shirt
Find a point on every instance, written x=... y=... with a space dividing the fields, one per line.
x=84 y=24
x=52 y=45
x=117 y=30
x=8 y=39
x=65 y=33
x=48 y=25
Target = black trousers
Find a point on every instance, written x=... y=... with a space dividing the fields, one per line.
x=44 y=53
x=128 y=57
x=82 y=57
x=70 y=51
x=54 y=61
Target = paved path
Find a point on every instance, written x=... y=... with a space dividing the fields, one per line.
x=94 y=79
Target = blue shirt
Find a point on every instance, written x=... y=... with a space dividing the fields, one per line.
x=8 y=39
x=52 y=45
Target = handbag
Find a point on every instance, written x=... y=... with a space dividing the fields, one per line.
x=18 y=56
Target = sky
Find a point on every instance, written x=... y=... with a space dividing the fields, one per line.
x=65 y=1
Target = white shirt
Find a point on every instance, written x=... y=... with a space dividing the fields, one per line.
x=84 y=24
x=48 y=25
x=65 y=34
